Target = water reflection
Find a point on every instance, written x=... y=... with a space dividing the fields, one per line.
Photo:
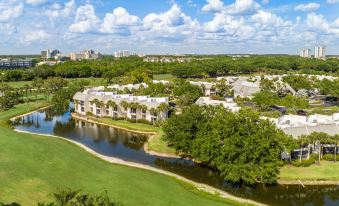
x=129 y=146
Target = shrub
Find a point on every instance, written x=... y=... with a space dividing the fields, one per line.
x=143 y=121
x=304 y=163
x=296 y=163
x=89 y=113
x=118 y=118
x=307 y=163
x=328 y=157
x=281 y=163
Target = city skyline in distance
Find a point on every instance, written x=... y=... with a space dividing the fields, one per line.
x=169 y=27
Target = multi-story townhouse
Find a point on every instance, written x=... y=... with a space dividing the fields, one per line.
x=209 y=88
x=228 y=103
x=109 y=104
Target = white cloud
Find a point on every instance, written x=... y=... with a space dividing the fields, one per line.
x=6 y=28
x=34 y=36
x=172 y=21
x=225 y=24
x=332 y=1
x=8 y=12
x=85 y=20
x=118 y=21
x=213 y=5
x=57 y=10
x=263 y=18
x=242 y=6
x=36 y=2
x=265 y=1
x=317 y=22
x=307 y=7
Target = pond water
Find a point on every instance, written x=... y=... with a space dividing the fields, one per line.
x=129 y=146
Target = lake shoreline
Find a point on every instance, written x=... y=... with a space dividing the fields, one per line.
x=146 y=147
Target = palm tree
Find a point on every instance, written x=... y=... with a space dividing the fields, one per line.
x=321 y=138
x=27 y=89
x=112 y=104
x=302 y=141
x=97 y=103
x=163 y=107
x=125 y=106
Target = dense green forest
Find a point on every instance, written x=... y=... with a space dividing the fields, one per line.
x=211 y=66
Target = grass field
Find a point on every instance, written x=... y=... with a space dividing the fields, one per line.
x=92 y=81
x=167 y=77
x=33 y=167
x=156 y=143
x=325 y=171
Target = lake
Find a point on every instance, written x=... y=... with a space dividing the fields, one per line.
x=129 y=146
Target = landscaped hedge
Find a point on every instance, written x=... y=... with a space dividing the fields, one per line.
x=328 y=157
x=304 y=163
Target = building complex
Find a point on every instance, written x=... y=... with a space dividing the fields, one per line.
x=16 y=63
x=109 y=104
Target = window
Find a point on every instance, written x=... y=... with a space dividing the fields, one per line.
x=133 y=110
x=98 y=111
x=82 y=109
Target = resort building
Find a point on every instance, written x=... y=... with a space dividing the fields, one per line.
x=228 y=103
x=209 y=88
x=129 y=87
x=86 y=54
x=244 y=87
x=15 y=63
x=297 y=125
x=109 y=104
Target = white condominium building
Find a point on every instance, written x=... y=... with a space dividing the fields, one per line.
x=109 y=104
x=319 y=52
x=228 y=103
x=306 y=53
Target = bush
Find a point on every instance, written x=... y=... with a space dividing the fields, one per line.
x=281 y=163
x=328 y=157
x=304 y=163
x=307 y=163
x=89 y=113
x=143 y=121
x=296 y=163
x=118 y=118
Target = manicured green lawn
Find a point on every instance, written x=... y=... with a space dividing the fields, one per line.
x=18 y=84
x=32 y=167
x=157 y=144
x=325 y=171
x=92 y=82
x=167 y=77
x=129 y=125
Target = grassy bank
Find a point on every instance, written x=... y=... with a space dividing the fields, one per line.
x=325 y=171
x=156 y=143
x=33 y=167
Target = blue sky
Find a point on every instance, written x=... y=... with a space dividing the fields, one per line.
x=168 y=26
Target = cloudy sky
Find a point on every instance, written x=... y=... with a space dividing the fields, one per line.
x=168 y=26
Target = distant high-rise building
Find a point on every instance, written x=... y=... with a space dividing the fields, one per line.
x=306 y=53
x=319 y=52
x=86 y=54
x=124 y=53
x=47 y=54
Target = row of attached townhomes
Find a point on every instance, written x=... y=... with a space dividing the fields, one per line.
x=242 y=86
x=297 y=125
x=228 y=103
x=109 y=104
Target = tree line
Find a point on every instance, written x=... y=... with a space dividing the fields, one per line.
x=210 y=66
